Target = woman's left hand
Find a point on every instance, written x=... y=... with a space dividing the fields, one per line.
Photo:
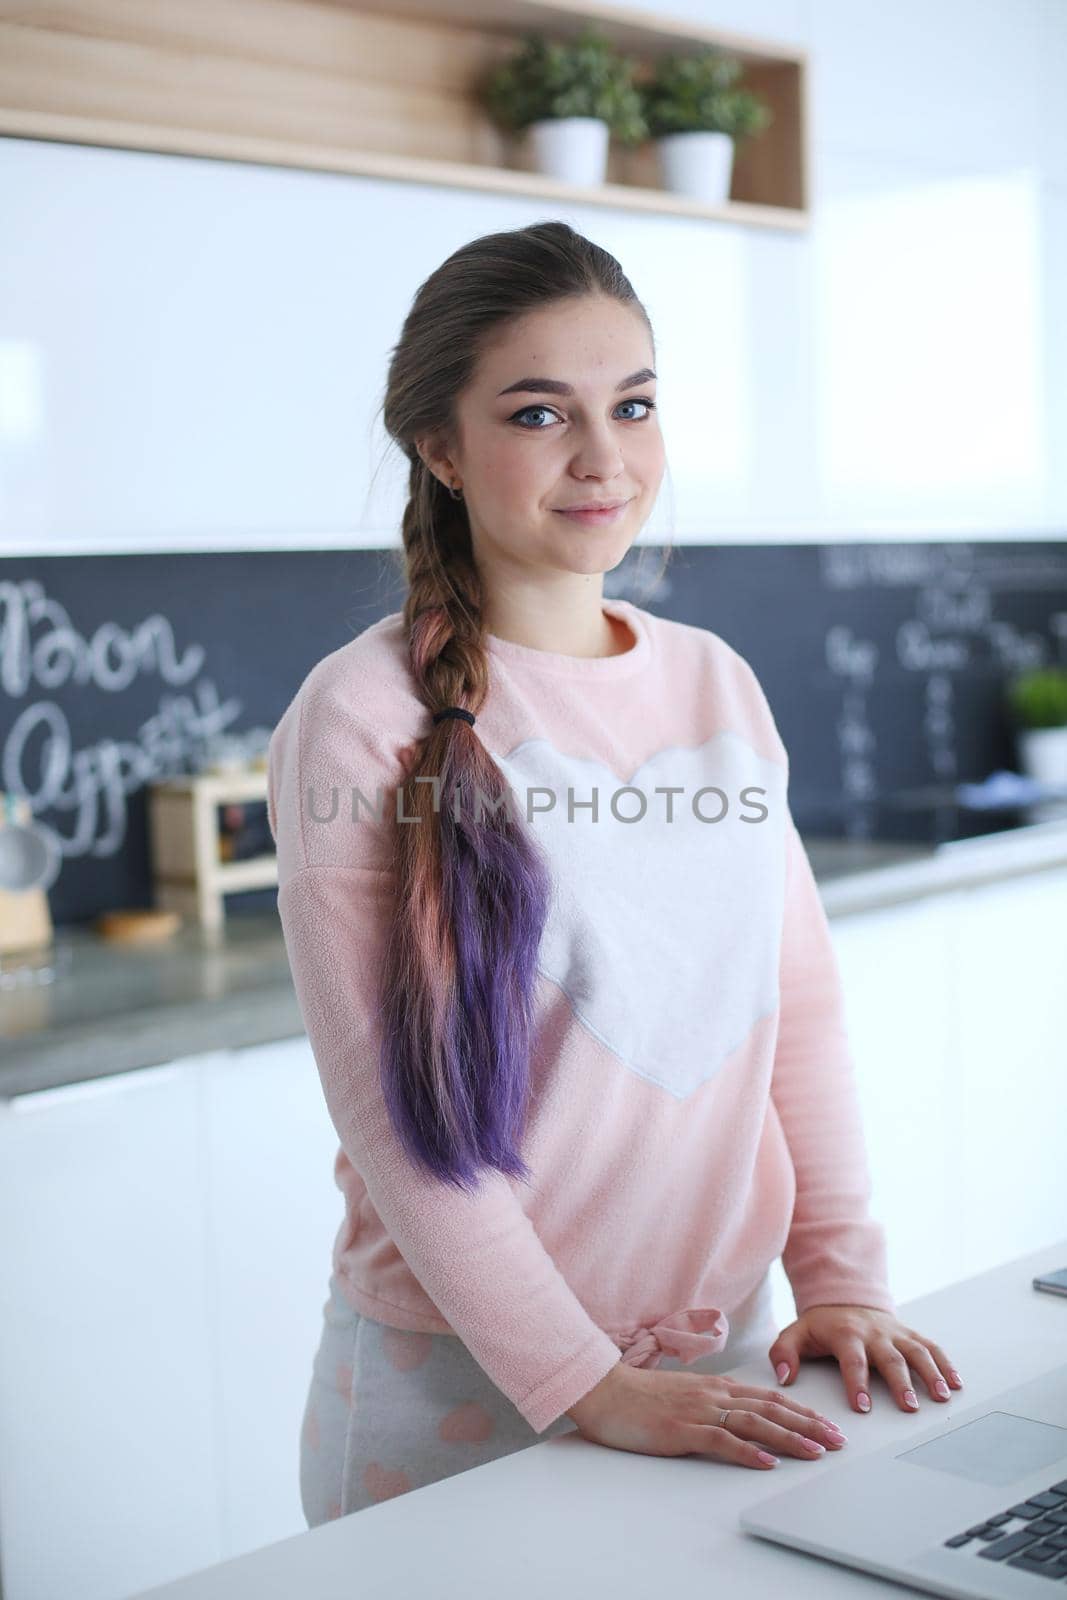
x=859 y=1337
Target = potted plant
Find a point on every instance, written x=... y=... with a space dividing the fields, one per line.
x=696 y=115
x=1038 y=703
x=569 y=98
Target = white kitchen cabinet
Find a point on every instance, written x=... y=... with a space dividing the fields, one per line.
x=274 y=1210
x=108 y=1409
x=166 y=1239
x=957 y=1016
x=1011 y=1067
x=897 y=975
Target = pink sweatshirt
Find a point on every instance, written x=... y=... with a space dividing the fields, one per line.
x=693 y=1111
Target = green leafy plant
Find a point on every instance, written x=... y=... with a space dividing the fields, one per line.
x=697 y=94
x=580 y=78
x=1038 y=699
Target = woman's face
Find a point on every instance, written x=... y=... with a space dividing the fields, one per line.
x=524 y=452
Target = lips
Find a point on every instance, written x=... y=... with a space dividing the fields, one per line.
x=595 y=515
x=595 y=505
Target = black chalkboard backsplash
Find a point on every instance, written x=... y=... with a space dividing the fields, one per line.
x=884 y=665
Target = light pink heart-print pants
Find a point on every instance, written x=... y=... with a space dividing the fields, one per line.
x=389 y=1410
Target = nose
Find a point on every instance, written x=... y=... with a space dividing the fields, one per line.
x=598 y=455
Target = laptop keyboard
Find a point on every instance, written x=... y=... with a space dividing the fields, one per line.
x=1031 y=1535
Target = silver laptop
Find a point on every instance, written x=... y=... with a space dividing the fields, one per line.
x=974 y=1506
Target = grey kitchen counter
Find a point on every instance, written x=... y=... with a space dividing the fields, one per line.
x=114 y=1008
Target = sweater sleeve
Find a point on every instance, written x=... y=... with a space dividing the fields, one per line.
x=478 y=1257
x=835 y=1253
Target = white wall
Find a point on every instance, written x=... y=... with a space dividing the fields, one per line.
x=192 y=352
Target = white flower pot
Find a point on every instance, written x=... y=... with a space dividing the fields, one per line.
x=698 y=164
x=1043 y=755
x=574 y=149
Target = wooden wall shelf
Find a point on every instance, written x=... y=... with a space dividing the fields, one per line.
x=382 y=90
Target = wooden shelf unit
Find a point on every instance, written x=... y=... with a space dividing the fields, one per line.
x=188 y=874
x=387 y=90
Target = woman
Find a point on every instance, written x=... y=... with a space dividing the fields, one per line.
x=558 y=948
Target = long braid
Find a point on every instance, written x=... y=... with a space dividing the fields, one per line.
x=473 y=888
x=457 y=1011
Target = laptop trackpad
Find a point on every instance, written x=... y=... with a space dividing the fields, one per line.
x=995 y=1449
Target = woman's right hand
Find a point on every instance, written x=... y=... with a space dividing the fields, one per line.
x=658 y=1413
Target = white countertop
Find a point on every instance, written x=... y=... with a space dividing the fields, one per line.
x=862 y=875
x=570 y=1517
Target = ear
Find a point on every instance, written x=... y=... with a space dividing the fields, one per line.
x=432 y=449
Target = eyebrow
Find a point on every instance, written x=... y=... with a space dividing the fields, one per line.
x=554 y=386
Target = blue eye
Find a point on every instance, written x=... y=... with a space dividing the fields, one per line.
x=637 y=400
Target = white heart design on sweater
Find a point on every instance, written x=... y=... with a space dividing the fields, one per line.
x=665 y=936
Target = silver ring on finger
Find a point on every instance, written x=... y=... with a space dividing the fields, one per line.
x=722 y=1418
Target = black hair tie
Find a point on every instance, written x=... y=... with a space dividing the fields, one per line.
x=454 y=711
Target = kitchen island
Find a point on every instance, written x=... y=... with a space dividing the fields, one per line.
x=570 y=1517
